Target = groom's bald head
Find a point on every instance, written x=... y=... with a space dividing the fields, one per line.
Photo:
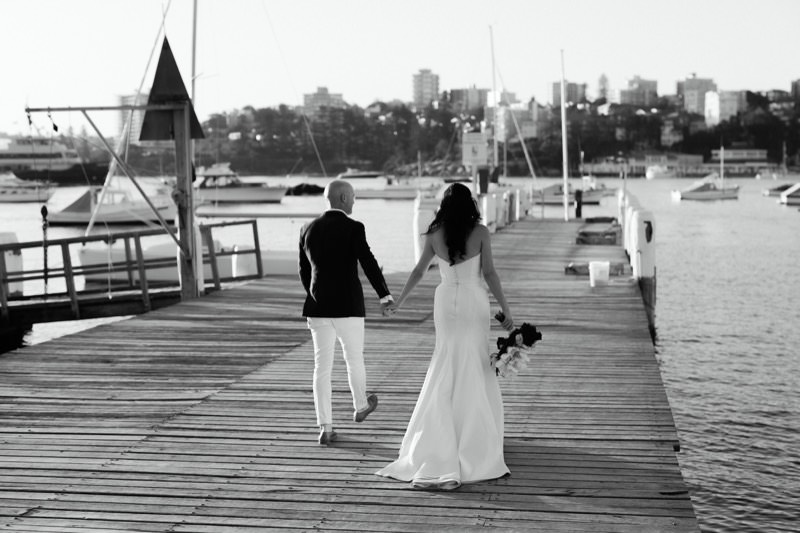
x=340 y=195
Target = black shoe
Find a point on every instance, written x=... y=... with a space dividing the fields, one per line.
x=327 y=437
x=372 y=401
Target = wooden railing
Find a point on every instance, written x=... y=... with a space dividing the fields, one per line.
x=58 y=276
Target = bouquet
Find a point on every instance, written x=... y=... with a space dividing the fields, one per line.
x=513 y=352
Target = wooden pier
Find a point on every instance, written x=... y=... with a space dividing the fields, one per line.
x=199 y=417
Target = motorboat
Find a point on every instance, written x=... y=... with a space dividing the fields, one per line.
x=791 y=196
x=653 y=172
x=386 y=188
x=15 y=190
x=218 y=183
x=165 y=266
x=354 y=173
x=115 y=206
x=554 y=195
x=42 y=158
x=590 y=183
x=712 y=187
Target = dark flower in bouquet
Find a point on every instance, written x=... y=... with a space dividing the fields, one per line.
x=513 y=351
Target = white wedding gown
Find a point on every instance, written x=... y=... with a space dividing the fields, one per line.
x=456 y=431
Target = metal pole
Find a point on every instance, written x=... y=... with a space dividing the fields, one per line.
x=565 y=164
x=494 y=92
x=45 y=225
x=194 y=64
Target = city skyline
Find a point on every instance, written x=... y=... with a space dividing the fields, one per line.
x=266 y=53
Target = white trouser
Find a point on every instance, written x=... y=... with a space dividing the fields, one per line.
x=350 y=332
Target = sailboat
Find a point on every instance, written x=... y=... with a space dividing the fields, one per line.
x=711 y=187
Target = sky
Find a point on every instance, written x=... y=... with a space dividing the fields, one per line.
x=264 y=53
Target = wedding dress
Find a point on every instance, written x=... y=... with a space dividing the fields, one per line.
x=455 y=434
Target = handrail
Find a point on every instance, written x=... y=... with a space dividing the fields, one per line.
x=135 y=266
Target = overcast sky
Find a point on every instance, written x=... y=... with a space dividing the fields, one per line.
x=267 y=52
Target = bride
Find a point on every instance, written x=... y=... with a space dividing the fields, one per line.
x=455 y=434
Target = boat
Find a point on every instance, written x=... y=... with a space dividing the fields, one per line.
x=218 y=183
x=653 y=172
x=105 y=256
x=45 y=159
x=791 y=196
x=114 y=206
x=354 y=173
x=15 y=190
x=777 y=191
x=554 y=195
x=590 y=183
x=712 y=187
x=386 y=188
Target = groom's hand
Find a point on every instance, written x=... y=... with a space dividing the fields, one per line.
x=388 y=308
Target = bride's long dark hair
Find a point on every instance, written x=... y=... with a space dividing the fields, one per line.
x=458 y=215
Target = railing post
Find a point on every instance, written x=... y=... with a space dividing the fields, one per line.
x=70 y=280
x=4 y=287
x=257 y=247
x=128 y=261
x=142 y=273
x=205 y=232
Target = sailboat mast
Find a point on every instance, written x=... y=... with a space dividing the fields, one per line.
x=194 y=69
x=494 y=92
x=564 y=142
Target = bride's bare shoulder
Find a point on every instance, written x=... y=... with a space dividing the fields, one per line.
x=481 y=231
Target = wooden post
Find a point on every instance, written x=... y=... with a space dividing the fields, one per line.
x=208 y=239
x=69 y=278
x=5 y=287
x=185 y=202
x=143 y=274
x=257 y=247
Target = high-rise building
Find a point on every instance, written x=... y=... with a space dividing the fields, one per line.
x=322 y=98
x=603 y=87
x=469 y=99
x=796 y=90
x=640 y=92
x=426 y=88
x=576 y=92
x=136 y=116
x=720 y=106
x=693 y=91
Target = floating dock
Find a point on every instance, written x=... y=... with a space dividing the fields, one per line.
x=199 y=417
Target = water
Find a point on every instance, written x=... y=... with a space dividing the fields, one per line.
x=727 y=320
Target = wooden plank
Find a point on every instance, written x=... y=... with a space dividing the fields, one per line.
x=206 y=422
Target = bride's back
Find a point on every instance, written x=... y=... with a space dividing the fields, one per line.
x=471 y=248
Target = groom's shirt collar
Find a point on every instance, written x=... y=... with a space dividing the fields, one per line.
x=332 y=209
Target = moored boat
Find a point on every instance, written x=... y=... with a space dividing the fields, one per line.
x=712 y=187
x=659 y=172
x=221 y=184
x=354 y=173
x=15 y=190
x=44 y=159
x=791 y=196
x=554 y=195
x=777 y=191
x=116 y=206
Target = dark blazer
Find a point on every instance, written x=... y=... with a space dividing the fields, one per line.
x=331 y=247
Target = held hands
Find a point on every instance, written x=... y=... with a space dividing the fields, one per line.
x=388 y=308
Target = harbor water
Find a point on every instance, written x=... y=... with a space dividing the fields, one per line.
x=727 y=320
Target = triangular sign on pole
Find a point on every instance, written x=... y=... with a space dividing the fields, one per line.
x=168 y=88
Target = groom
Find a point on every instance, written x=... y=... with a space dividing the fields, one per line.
x=331 y=247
